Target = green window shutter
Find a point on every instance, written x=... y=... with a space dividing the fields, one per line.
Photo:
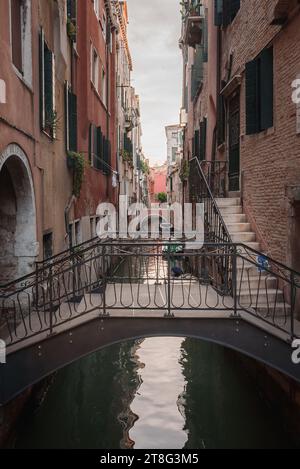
x=205 y=38
x=197 y=143
x=203 y=132
x=48 y=81
x=90 y=143
x=72 y=101
x=197 y=71
x=266 y=88
x=42 y=79
x=235 y=5
x=99 y=146
x=252 y=97
x=221 y=120
x=226 y=20
x=218 y=12
x=230 y=10
x=67 y=116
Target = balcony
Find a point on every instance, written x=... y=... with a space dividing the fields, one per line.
x=194 y=19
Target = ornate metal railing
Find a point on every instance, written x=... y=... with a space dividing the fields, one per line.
x=163 y=277
x=216 y=173
x=214 y=225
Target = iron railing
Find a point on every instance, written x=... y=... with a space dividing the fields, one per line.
x=216 y=173
x=214 y=226
x=123 y=277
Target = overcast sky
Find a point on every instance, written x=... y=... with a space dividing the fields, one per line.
x=154 y=31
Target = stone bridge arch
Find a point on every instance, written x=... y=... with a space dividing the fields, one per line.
x=18 y=236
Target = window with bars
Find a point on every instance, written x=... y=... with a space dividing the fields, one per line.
x=260 y=92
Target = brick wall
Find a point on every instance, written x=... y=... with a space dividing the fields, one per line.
x=270 y=160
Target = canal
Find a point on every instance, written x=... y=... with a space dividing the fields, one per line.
x=156 y=393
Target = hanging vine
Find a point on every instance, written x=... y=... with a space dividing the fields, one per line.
x=76 y=162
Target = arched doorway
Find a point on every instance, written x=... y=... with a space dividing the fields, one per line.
x=18 y=241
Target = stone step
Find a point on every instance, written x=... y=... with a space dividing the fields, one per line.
x=260 y=297
x=231 y=210
x=234 y=195
x=235 y=218
x=251 y=244
x=238 y=227
x=248 y=237
x=281 y=310
x=254 y=282
x=228 y=202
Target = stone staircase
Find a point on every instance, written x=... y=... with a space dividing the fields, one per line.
x=257 y=290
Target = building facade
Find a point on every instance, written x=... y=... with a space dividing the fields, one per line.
x=240 y=61
x=158 y=181
x=60 y=67
x=35 y=183
x=174 y=160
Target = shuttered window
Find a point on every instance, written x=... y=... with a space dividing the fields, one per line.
x=259 y=93
x=99 y=150
x=226 y=11
x=221 y=120
x=16 y=34
x=203 y=133
x=47 y=88
x=197 y=71
x=197 y=144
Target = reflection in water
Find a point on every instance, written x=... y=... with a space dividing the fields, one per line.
x=160 y=424
x=159 y=393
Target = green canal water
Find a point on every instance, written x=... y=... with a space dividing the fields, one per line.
x=157 y=393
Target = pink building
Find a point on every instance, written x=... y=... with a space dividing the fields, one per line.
x=158 y=181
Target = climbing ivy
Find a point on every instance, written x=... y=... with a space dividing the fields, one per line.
x=76 y=161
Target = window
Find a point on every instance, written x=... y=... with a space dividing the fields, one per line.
x=174 y=154
x=21 y=38
x=226 y=11
x=77 y=233
x=99 y=150
x=48 y=245
x=259 y=93
x=95 y=68
x=16 y=34
x=71 y=119
x=72 y=19
x=47 y=88
x=203 y=134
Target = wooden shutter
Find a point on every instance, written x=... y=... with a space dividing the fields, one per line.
x=48 y=85
x=218 y=12
x=205 y=38
x=197 y=143
x=252 y=97
x=226 y=19
x=42 y=79
x=235 y=5
x=90 y=144
x=266 y=88
x=221 y=120
x=72 y=100
x=99 y=146
x=203 y=132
